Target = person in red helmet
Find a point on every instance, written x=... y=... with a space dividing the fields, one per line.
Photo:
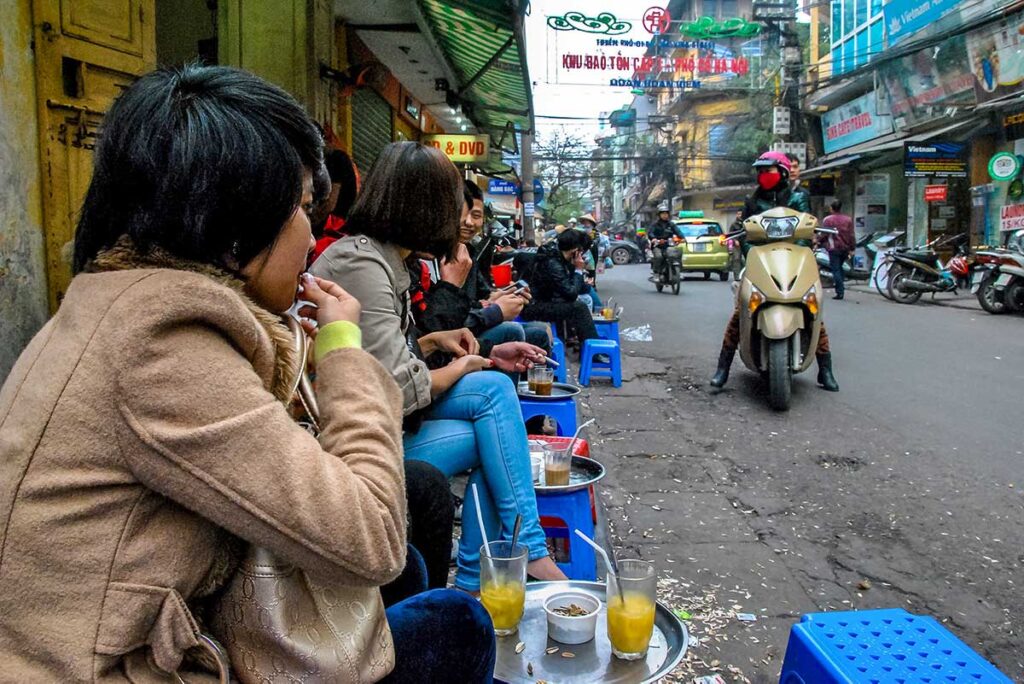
x=773 y=190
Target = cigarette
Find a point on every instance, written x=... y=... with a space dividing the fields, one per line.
x=551 y=361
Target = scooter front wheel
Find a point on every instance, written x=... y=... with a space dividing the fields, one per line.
x=676 y=280
x=991 y=299
x=780 y=377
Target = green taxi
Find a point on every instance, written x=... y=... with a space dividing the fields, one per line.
x=702 y=244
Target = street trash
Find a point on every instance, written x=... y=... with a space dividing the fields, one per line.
x=864 y=585
x=640 y=333
x=682 y=614
x=746 y=617
x=709 y=679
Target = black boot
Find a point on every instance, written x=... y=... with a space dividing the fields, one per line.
x=825 y=377
x=724 y=364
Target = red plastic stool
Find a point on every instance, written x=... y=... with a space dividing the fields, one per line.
x=582 y=448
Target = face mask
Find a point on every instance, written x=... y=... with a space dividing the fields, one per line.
x=768 y=179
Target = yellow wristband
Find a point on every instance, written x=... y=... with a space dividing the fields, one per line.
x=337 y=335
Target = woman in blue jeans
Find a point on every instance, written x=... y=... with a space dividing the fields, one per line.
x=456 y=417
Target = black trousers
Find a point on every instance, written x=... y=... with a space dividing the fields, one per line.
x=575 y=314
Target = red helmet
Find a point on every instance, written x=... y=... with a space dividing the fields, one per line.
x=959 y=267
x=774 y=159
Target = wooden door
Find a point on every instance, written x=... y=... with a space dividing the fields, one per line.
x=87 y=52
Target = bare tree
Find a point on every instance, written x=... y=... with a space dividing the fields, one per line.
x=562 y=167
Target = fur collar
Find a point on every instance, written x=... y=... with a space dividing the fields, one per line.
x=124 y=255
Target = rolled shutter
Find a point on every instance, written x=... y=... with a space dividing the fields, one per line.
x=371 y=127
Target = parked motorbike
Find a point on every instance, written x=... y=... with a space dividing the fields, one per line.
x=778 y=298
x=916 y=271
x=998 y=280
x=671 y=273
x=849 y=272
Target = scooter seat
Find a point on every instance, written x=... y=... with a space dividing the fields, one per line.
x=924 y=256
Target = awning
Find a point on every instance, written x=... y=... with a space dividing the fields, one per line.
x=483 y=42
x=818 y=170
x=890 y=142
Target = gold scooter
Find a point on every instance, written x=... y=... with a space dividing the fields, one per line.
x=778 y=298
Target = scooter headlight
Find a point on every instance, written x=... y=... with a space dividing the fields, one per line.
x=779 y=227
x=756 y=299
x=811 y=301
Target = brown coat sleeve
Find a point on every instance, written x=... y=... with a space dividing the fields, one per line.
x=201 y=429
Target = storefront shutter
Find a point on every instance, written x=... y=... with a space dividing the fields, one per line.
x=371 y=128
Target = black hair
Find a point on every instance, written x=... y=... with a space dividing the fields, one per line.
x=343 y=172
x=836 y=205
x=412 y=198
x=475 y=194
x=571 y=239
x=205 y=162
x=467 y=195
x=792 y=158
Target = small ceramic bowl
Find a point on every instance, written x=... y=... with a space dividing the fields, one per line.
x=572 y=630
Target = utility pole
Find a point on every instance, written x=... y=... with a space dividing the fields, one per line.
x=526 y=175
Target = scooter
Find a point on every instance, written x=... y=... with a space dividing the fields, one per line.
x=998 y=280
x=671 y=273
x=849 y=272
x=779 y=299
x=916 y=271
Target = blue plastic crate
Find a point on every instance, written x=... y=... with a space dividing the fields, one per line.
x=889 y=646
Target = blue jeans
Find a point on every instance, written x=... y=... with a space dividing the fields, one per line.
x=439 y=635
x=591 y=291
x=511 y=331
x=478 y=424
x=836 y=260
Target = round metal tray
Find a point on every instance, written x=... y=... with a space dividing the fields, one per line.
x=601 y=319
x=583 y=473
x=593 y=661
x=559 y=391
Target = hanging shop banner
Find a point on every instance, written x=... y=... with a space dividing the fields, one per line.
x=460 y=148
x=1011 y=217
x=939 y=160
x=871 y=205
x=936 y=193
x=997 y=59
x=853 y=123
x=903 y=18
x=923 y=84
x=635 y=52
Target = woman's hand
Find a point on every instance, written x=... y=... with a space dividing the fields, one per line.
x=516 y=357
x=472 y=363
x=329 y=302
x=458 y=342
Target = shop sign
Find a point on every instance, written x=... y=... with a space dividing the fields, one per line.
x=1013 y=125
x=609 y=64
x=528 y=209
x=903 y=18
x=709 y=29
x=936 y=193
x=1011 y=217
x=923 y=84
x=853 y=123
x=460 y=148
x=605 y=23
x=412 y=108
x=940 y=159
x=997 y=59
x=501 y=187
x=1004 y=166
x=719 y=204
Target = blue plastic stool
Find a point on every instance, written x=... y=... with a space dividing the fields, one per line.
x=590 y=368
x=607 y=330
x=561 y=515
x=886 y=646
x=558 y=354
x=563 y=411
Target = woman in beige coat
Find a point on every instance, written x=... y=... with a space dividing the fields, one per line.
x=144 y=437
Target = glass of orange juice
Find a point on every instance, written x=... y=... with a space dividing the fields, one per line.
x=631 y=611
x=503 y=584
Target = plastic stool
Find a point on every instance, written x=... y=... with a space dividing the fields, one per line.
x=563 y=411
x=562 y=514
x=590 y=368
x=607 y=330
x=881 y=647
x=558 y=354
x=582 y=448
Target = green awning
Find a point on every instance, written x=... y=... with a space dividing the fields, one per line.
x=483 y=42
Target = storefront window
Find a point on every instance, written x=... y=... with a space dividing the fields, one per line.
x=862 y=47
x=862 y=11
x=837 y=21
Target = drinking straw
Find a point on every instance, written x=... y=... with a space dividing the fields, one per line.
x=572 y=444
x=609 y=566
x=480 y=520
x=515 y=530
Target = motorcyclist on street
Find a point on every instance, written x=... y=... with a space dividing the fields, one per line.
x=773 y=190
x=660 y=234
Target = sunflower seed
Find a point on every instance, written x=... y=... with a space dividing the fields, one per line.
x=551 y=650
x=529 y=669
x=567 y=654
x=520 y=647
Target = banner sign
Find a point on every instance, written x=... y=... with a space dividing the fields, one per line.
x=501 y=187
x=1004 y=166
x=854 y=122
x=656 y=65
x=936 y=193
x=1013 y=125
x=1011 y=217
x=923 y=84
x=997 y=59
x=460 y=148
x=719 y=204
x=940 y=159
x=903 y=18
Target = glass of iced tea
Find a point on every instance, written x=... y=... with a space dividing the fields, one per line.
x=545 y=380
x=503 y=584
x=531 y=379
x=608 y=313
x=631 y=611
x=557 y=466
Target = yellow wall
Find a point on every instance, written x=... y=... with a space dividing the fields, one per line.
x=23 y=307
x=693 y=131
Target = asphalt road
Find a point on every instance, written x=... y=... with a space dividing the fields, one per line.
x=905 y=489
